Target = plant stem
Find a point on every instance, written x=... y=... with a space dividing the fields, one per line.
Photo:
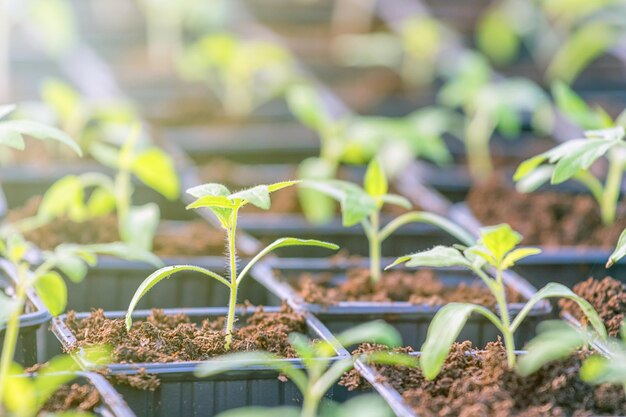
x=509 y=341
x=11 y=331
x=309 y=406
x=232 y=303
x=477 y=134
x=375 y=247
x=612 y=185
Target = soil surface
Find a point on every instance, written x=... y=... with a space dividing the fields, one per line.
x=545 y=218
x=163 y=338
x=608 y=298
x=480 y=384
x=416 y=287
x=75 y=397
x=194 y=238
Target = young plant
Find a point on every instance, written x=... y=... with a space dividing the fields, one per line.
x=363 y=206
x=12 y=132
x=322 y=372
x=243 y=74
x=45 y=279
x=355 y=140
x=558 y=340
x=137 y=224
x=572 y=160
x=496 y=249
x=414 y=52
x=225 y=206
x=492 y=105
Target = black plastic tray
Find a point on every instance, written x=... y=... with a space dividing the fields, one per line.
x=33 y=324
x=182 y=394
x=565 y=265
x=410 y=320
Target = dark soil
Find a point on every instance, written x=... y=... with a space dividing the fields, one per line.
x=608 y=298
x=419 y=287
x=163 y=338
x=75 y=397
x=194 y=238
x=481 y=385
x=545 y=218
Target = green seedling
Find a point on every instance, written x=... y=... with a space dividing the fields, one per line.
x=12 y=132
x=497 y=249
x=363 y=206
x=321 y=371
x=573 y=159
x=243 y=74
x=558 y=340
x=492 y=105
x=92 y=195
x=356 y=140
x=563 y=37
x=46 y=281
x=413 y=53
x=225 y=206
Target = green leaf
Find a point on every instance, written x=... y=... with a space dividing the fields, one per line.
x=396 y=200
x=37 y=131
x=156 y=169
x=496 y=36
x=517 y=254
x=556 y=340
x=237 y=360
x=283 y=411
x=159 y=276
x=499 y=240
x=439 y=256
x=102 y=201
x=365 y=405
x=574 y=107
x=619 y=252
x=306 y=104
x=600 y=370
x=210 y=189
x=443 y=332
x=64 y=197
x=140 y=225
x=528 y=166
x=375 y=181
x=355 y=203
x=52 y=290
x=535 y=179
x=71 y=265
x=19 y=395
x=123 y=251
x=391 y=358
x=580 y=155
x=377 y=332
x=554 y=290
x=58 y=371
x=65 y=100
x=11 y=139
x=281 y=243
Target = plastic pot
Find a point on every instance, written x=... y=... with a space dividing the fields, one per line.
x=182 y=394
x=411 y=320
x=32 y=325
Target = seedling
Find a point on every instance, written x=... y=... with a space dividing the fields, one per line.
x=243 y=74
x=497 y=249
x=562 y=37
x=414 y=52
x=45 y=279
x=363 y=206
x=356 y=140
x=321 y=371
x=558 y=340
x=12 y=132
x=573 y=159
x=137 y=224
x=225 y=206
x=492 y=105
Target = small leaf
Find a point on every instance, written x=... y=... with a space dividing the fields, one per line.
x=499 y=240
x=442 y=333
x=52 y=290
x=535 y=179
x=121 y=250
x=574 y=107
x=306 y=105
x=38 y=131
x=156 y=169
x=317 y=207
x=619 y=252
x=257 y=411
x=517 y=254
x=377 y=332
x=210 y=189
x=496 y=36
x=597 y=369
x=71 y=265
x=582 y=154
x=159 y=276
x=439 y=256
x=397 y=200
x=528 y=166
x=375 y=180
